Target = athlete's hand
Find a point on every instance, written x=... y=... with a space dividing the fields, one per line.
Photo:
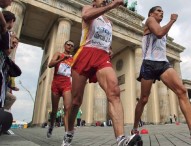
x=110 y=53
x=66 y=57
x=116 y=3
x=174 y=17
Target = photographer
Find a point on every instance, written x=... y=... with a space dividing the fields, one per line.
x=5 y=45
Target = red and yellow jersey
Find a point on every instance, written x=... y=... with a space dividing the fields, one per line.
x=63 y=69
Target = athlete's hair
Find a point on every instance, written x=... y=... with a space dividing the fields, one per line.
x=9 y=16
x=153 y=9
x=68 y=41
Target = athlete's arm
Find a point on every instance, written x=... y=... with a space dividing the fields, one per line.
x=89 y=12
x=55 y=60
x=155 y=27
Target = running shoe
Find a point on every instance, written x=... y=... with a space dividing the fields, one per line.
x=49 y=132
x=67 y=140
x=133 y=140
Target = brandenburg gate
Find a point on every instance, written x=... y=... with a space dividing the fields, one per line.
x=49 y=23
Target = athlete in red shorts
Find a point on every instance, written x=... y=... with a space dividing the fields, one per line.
x=61 y=84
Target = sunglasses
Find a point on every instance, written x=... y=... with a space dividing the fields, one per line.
x=71 y=45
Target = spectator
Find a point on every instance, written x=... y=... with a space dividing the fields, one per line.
x=170 y=117
x=3 y=4
x=6 y=47
x=79 y=114
x=175 y=118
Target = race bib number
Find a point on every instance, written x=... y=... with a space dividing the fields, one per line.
x=64 y=69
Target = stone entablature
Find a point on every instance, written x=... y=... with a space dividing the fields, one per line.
x=174 y=49
x=132 y=20
x=187 y=84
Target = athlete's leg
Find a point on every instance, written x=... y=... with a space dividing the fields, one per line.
x=109 y=83
x=171 y=79
x=145 y=92
x=67 y=98
x=55 y=100
x=78 y=85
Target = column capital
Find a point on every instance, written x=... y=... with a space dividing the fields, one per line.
x=19 y=2
x=65 y=19
x=137 y=46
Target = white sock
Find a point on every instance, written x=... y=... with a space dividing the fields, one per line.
x=70 y=132
x=119 y=138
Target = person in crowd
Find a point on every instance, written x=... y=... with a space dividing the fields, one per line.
x=78 y=117
x=10 y=98
x=5 y=49
x=3 y=5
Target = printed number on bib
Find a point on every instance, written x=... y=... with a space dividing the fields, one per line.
x=64 y=69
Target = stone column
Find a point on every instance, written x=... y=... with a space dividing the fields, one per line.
x=130 y=86
x=163 y=102
x=88 y=104
x=100 y=104
x=138 y=62
x=153 y=105
x=63 y=33
x=177 y=68
x=173 y=103
x=18 y=8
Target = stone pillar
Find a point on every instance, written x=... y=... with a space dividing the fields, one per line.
x=88 y=104
x=177 y=68
x=155 y=104
x=173 y=103
x=138 y=62
x=100 y=104
x=63 y=33
x=130 y=86
x=163 y=102
x=18 y=8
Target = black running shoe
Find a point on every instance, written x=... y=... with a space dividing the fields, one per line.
x=133 y=140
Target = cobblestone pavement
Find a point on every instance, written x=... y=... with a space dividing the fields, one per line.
x=159 y=135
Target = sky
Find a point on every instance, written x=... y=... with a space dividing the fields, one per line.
x=29 y=57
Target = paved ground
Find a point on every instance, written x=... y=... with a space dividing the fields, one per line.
x=159 y=135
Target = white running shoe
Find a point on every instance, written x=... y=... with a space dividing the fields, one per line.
x=67 y=140
x=49 y=132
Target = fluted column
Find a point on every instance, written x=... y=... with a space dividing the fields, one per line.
x=138 y=62
x=163 y=102
x=100 y=104
x=177 y=68
x=63 y=33
x=88 y=104
x=18 y=8
x=130 y=84
x=173 y=102
x=153 y=105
